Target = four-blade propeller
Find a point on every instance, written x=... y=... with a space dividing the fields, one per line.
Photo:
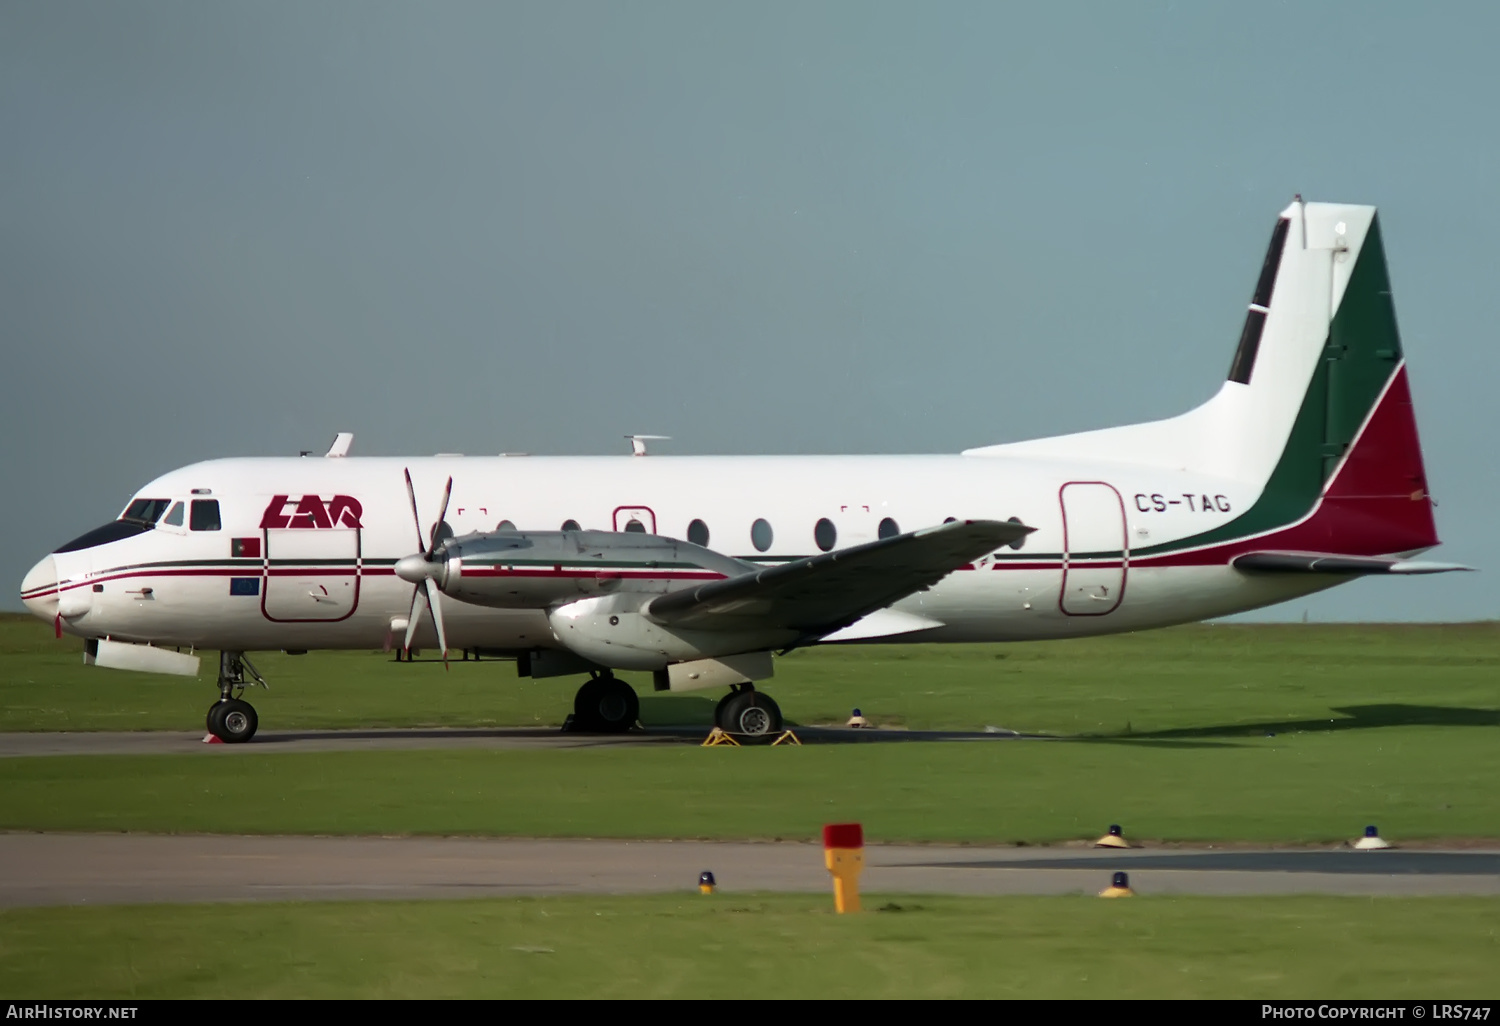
x=424 y=568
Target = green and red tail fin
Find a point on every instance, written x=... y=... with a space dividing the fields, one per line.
x=1349 y=477
x=1316 y=413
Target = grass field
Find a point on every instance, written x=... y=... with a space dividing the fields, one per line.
x=1198 y=681
x=1167 y=733
x=1414 y=782
x=762 y=946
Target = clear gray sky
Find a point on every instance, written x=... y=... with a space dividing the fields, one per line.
x=236 y=228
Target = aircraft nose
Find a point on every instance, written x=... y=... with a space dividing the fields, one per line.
x=39 y=589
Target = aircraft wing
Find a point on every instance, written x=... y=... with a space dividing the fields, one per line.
x=821 y=594
x=1331 y=563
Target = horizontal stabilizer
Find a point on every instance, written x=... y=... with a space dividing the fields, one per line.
x=822 y=594
x=1331 y=563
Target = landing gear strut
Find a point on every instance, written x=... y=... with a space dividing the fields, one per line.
x=605 y=704
x=231 y=719
x=746 y=712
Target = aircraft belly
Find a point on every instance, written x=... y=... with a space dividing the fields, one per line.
x=1022 y=605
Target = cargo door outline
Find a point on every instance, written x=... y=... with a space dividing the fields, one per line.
x=1099 y=571
x=623 y=515
x=318 y=576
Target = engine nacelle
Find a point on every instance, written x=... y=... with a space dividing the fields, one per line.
x=612 y=630
x=539 y=569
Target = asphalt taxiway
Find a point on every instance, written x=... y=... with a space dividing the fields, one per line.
x=87 y=869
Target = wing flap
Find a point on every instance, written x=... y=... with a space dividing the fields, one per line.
x=822 y=594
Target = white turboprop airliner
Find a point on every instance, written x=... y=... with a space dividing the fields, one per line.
x=1303 y=472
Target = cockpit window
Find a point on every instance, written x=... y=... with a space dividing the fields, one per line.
x=111 y=532
x=145 y=511
x=174 y=515
x=205 y=515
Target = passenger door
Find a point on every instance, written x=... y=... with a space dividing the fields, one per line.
x=311 y=574
x=1095 y=553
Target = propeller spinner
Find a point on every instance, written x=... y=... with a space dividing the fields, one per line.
x=423 y=569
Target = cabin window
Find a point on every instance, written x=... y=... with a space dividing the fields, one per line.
x=761 y=535
x=698 y=533
x=825 y=534
x=174 y=515
x=205 y=515
x=888 y=528
x=571 y=525
x=635 y=527
x=145 y=511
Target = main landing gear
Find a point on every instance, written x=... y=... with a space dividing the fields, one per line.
x=231 y=719
x=605 y=705
x=745 y=712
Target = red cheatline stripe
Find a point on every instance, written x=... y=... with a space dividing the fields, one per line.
x=654 y=575
x=349 y=571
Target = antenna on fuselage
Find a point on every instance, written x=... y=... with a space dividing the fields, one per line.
x=341 y=443
x=638 y=443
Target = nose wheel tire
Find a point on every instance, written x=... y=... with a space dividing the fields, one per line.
x=750 y=714
x=606 y=705
x=232 y=721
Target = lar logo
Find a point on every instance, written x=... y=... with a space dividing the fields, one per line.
x=312 y=511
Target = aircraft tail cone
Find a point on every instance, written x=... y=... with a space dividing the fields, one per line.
x=1372 y=841
x=1113 y=839
x=1119 y=887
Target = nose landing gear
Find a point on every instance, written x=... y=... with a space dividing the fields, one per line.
x=231 y=719
x=606 y=705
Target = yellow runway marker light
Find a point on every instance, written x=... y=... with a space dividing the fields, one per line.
x=705 y=882
x=844 y=854
x=1113 y=839
x=1119 y=887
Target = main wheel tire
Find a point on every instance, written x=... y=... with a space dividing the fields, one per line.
x=607 y=705
x=719 y=720
x=751 y=714
x=233 y=721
